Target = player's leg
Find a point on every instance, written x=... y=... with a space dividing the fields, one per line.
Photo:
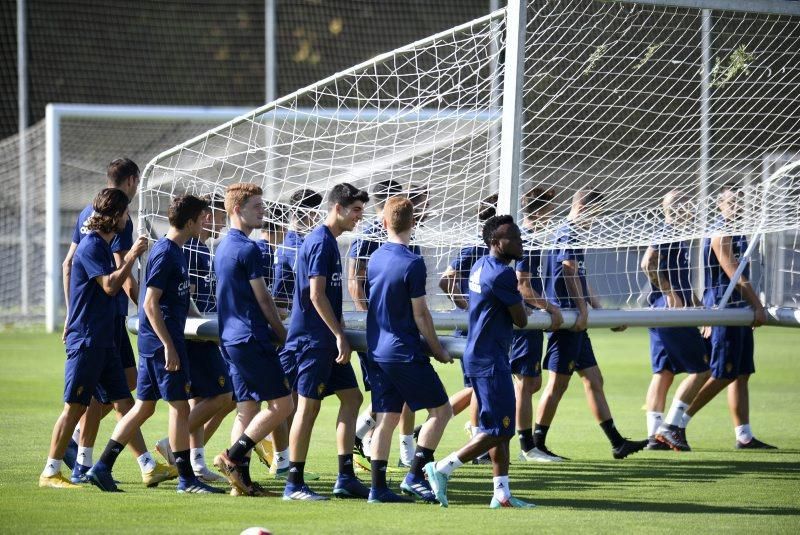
x=557 y=384
x=524 y=389
x=62 y=433
x=739 y=398
x=655 y=403
x=381 y=445
x=406 y=437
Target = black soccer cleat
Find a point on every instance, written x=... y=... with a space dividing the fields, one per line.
x=672 y=436
x=628 y=447
x=655 y=445
x=754 y=444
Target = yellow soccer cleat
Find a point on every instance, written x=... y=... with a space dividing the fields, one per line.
x=266 y=452
x=159 y=474
x=57 y=481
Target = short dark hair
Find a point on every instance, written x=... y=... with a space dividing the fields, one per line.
x=487 y=207
x=274 y=216
x=185 y=208
x=345 y=194
x=385 y=189
x=305 y=198
x=587 y=197
x=491 y=226
x=120 y=170
x=215 y=201
x=733 y=187
x=535 y=199
x=108 y=206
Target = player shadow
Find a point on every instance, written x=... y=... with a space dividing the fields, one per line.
x=471 y=486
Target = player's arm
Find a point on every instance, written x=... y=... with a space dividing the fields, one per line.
x=573 y=284
x=66 y=271
x=268 y=308
x=111 y=284
x=356 y=275
x=650 y=262
x=723 y=248
x=518 y=315
x=130 y=285
x=194 y=312
x=424 y=321
x=532 y=298
x=449 y=284
x=323 y=307
x=152 y=298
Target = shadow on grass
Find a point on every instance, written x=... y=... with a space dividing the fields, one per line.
x=630 y=477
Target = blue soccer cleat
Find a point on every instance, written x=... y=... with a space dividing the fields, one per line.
x=350 y=487
x=418 y=488
x=438 y=482
x=386 y=495
x=100 y=476
x=302 y=493
x=79 y=474
x=195 y=486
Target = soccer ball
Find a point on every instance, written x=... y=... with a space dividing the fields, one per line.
x=256 y=531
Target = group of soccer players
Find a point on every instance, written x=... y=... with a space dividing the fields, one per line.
x=276 y=379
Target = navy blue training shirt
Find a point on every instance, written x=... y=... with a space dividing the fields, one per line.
x=673 y=260
x=91 y=309
x=238 y=261
x=492 y=289
x=532 y=264
x=318 y=257
x=285 y=265
x=556 y=287
x=201 y=275
x=463 y=263
x=267 y=262
x=167 y=271
x=396 y=276
x=716 y=279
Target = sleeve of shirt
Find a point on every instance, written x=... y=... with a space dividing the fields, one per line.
x=416 y=277
x=318 y=259
x=355 y=247
x=251 y=260
x=123 y=241
x=96 y=261
x=523 y=265
x=565 y=251
x=462 y=260
x=158 y=270
x=76 y=233
x=505 y=288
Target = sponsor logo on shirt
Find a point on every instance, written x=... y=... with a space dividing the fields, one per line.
x=475 y=281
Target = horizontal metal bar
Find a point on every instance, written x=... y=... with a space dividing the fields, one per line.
x=771 y=7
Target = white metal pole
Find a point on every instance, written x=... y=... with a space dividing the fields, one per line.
x=22 y=103
x=52 y=280
x=494 y=129
x=270 y=53
x=705 y=139
x=511 y=133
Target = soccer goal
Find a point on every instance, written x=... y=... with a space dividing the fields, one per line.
x=632 y=99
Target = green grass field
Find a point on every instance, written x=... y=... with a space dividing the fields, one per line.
x=711 y=489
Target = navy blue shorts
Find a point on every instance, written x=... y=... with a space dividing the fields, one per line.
x=208 y=371
x=319 y=376
x=731 y=352
x=496 y=404
x=365 y=370
x=568 y=351
x=526 y=353
x=123 y=343
x=256 y=371
x=289 y=365
x=94 y=371
x=677 y=350
x=415 y=383
x=154 y=382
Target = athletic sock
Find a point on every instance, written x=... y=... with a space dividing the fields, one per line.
x=676 y=412
x=76 y=435
x=183 y=463
x=295 y=476
x=364 y=423
x=346 y=465
x=540 y=435
x=367 y=446
x=501 y=490
x=407 y=448
x=110 y=454
x=421 y=457
x=448 y=464
x=473 y=430
x=654 y=420
x=282 y=459
x=378 y=474
x=146 y=462
x=85 y=455
x=526 y=439
x=240 y=448
x=51 y=467
x=686 y=419
x=198 y=456
x=743 y=433
x=244 y=470
x=611 y=432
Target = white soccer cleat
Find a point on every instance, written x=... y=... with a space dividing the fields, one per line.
x=207 y=476
x=540 y=456
x=162 y=447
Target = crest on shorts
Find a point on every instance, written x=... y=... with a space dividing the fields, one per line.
x=729 y=367
x=705 y=359
x=221 y=381
x=571 y=365
x=537 y=367
x=188 y=388
x=286 y=383
x=79 y=391
x=506 y=421
x=320 y=389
